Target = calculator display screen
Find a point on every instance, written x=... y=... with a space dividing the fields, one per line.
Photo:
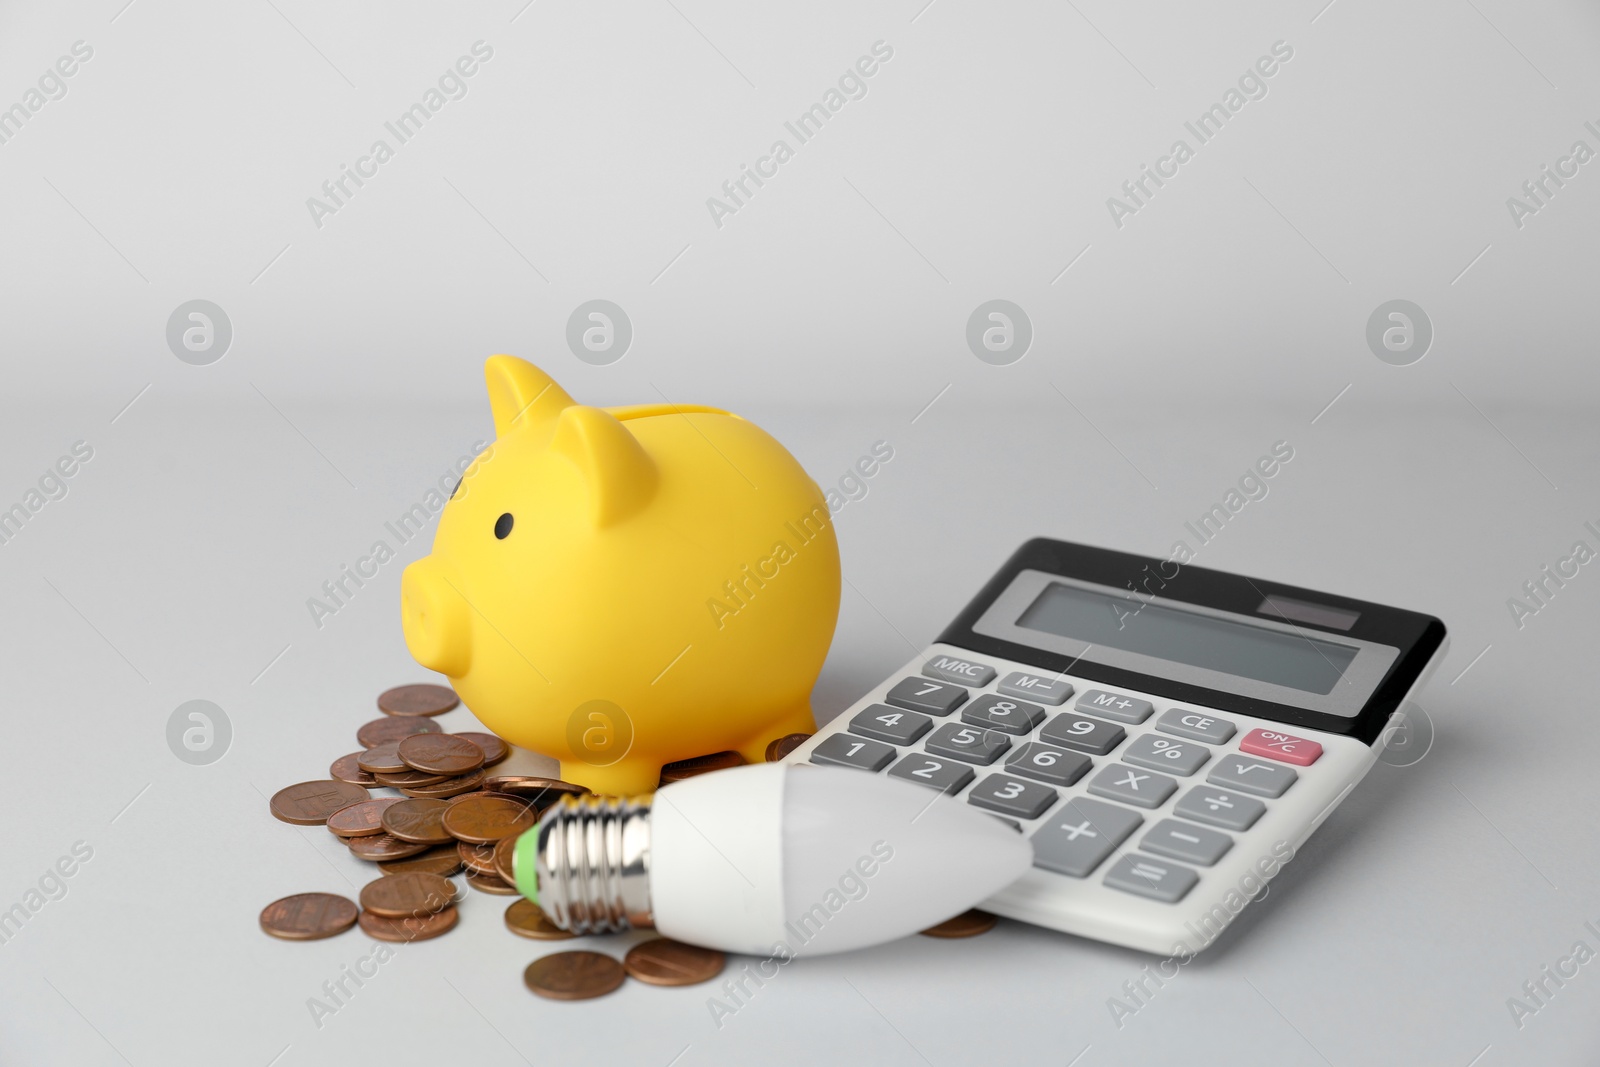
x=1295 y=660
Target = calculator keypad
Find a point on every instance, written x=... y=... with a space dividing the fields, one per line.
x=847 y=750
x=1252 y=776
x=1180 y=841
x=935 y=772
x=1047 y=763
x=1086 y=735
x=960 y=671
x=1080 y=834
x=1195 y=726
x=1156 y=879
x=1174 y=757
x=1012 y=716
x=883 y=723
x=1036 y=755
x=1131 y=785
x=1040 y=687
x=1114 y=706
x=971 y=744
x=1013 y=796
x=925 y=695
x=1219 y=807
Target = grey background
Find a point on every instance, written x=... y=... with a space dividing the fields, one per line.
x=1168 y=355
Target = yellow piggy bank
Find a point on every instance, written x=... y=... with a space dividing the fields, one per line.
x=621 y=588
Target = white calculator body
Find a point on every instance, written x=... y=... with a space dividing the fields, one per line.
x=1167 y=736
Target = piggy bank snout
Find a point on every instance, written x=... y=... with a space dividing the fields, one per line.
x=435 y=617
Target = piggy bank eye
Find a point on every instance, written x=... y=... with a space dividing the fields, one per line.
x=502 y=526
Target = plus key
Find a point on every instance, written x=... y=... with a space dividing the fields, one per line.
x=1285 y=748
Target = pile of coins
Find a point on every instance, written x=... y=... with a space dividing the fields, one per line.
x=452 y=816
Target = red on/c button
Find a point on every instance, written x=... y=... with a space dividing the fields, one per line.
x=1286 y=748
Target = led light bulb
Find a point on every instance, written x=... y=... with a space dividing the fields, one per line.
x=768 y=858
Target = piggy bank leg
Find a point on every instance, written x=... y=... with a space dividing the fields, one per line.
x=624 y=778
x=798 y=721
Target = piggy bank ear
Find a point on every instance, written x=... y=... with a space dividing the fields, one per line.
x=521 y=394
x=619 y=476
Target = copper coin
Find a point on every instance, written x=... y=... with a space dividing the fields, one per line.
x=484 y=820
x=441 y=754
x=412 y=893
x=417 y=700
x=411 y=928
x=393 y=728
x=419 y=821
x=380 y=848
x=689 y=768
x=967 y=924
x=491 y=883
x=526 y=919
x=479 y=859
x=504 y=850
x=442 y=860
x=361 y=819
x=541 y=791
x=459 y=797
x=409 y=779
x=663 y=961
x=382 y=759
x=450 y=787
x=574 y=975
x=494 y=749
x=785 y=745
x=308 y=916
x=310 y=803
x=345 y=769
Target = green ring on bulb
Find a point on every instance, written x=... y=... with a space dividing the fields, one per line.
x=525 y=863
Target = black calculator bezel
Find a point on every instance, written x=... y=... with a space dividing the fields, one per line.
x=1417 y=636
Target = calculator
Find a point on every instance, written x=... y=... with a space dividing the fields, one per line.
x=1165 y=735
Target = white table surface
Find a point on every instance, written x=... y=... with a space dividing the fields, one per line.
x=179 y=564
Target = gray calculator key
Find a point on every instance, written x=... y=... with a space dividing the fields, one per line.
x=1146 y=877
x=1086 y=735
x=1181 y=841
x=970 y=744
x=926 y=695
x=1080 y=835
x=883 y=723
x=1004 y=713
x=1219 y=807
x=935 y=772
x=1044 y=688
x=1174 y=757
x=1132 y=785
x=960 y=671
x=1114 y=706
x=1047 y=763
x=846 y=750
x=1195 y=725
x=1258 y=776
x=1013 y=796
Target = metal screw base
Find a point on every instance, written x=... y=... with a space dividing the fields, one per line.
x=594 y=864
